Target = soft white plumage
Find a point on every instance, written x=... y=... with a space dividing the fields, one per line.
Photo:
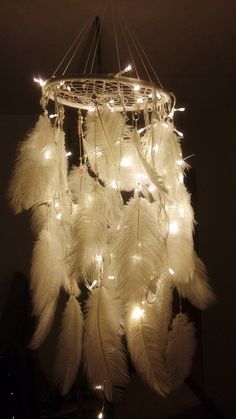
x=89 y=232
x=198 y=289
x=103 y=351
x=139 y=248
x=146 y=327
x=48 y=274
x=69 y=348
x=180 y=349
x=36 y=169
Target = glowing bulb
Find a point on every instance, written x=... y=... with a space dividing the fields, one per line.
x=98 y=387
x=165 y=125
x=113 y=184
x=100 y=415
x=94 y=283
x=181 y=211
x=91 y=109
x=111 y=102
x=128 y=68
x=69 y=153
x=171 y=271
x=136 y=87
x=126 y=162
x=68 y=88
x=155 y=148
x=179 y=109
x=53 y=115
x=111 y=277
x=140 y=100
x=152 y=188
x=173 y=227
x=181 y=178
x=98 y=258
x=137 y=313
x=39 y=81
x=158 y=95
x=59 y=216
x=150 y=95
x=47 y=154
x=179 y=162
x=57 y=204
x=136 y=258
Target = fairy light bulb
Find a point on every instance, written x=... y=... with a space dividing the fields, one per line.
x=59 y=216
x=100 y=415
x=171 y=271
x=140 y=100
x=98 y=258
x=136 y=88
x=179 y=162
x=69 y=153
x=47 y=154
x=155 y=148
x=39 y=81
x=111 y=277
x=151 y=188
x=173 y=227
x=137 y=313
x=126 y=162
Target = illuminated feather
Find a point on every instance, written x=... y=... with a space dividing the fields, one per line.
x=180 y=349
x=69 y=347
x=198 y=289
x=139 y=248
x=146 y=327
x=103 y=351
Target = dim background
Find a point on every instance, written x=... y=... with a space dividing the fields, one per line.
x=191 y=44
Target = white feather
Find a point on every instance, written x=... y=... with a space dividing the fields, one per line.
x=180 y=349
x=146 y=327
x=139 y=248
x=35 y=174
x=198 y=289
x=104 y=132
x=103 y=351
x=69 y=347
x=48 y=274
x=89 y=232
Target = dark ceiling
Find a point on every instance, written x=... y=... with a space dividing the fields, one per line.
x=190 y=43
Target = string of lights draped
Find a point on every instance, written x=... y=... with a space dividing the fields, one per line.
x=130 y=253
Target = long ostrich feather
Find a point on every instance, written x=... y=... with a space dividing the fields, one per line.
x=180 y=349
x=89 y=231
x=198 y=289
x=103 y=351
x=104 y=132
x=69 y=347
x=139 y=248
x=48 y=274
x=146 y=327
x=36 y=167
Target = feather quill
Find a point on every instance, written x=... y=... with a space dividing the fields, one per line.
x=180 y=349
x=198 y=289
x=69 y=347
x=146 y=327
x=103 y=351
x=139 y=248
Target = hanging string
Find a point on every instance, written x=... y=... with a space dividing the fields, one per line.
x=98 y=36
x=116 y=37
x=83 y=31
x=90 y=50
x=128 y=45
x=146 y=57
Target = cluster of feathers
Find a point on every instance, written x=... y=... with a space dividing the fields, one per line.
x=130 y=255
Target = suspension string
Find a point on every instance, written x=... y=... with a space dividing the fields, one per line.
x=84 y=28
x=98 y=36
x=77 y=47
x=116 y=37
x=90 y=50
x=146 y=57
x=137 y=50
x=128 y=45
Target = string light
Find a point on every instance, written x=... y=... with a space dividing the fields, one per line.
x=126 y=69
x=100 y=415
x=111 y=277
x=39 y=81
x=136 y=87
x=69 y=153
x=137 y=312
x=173 y=227
x=59 y=216
x=171 y=271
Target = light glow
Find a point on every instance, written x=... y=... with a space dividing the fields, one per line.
x=173 y=227
x=137 y=313
x=126 y=162
x=98 y=258
x=39 y=81
x=100 y=415
x=136 y=88
x=171 y=271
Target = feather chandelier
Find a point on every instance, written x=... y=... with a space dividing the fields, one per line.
x=119 y=223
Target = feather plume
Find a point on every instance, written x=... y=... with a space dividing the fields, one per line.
x=48 y=274
x=146 y=327
x=139 y=248
x=36 y=170
x=69 y=346
x=89 y=232
x=103 y=351
x=104 y=131
x=180 y=349
x=198 y=289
